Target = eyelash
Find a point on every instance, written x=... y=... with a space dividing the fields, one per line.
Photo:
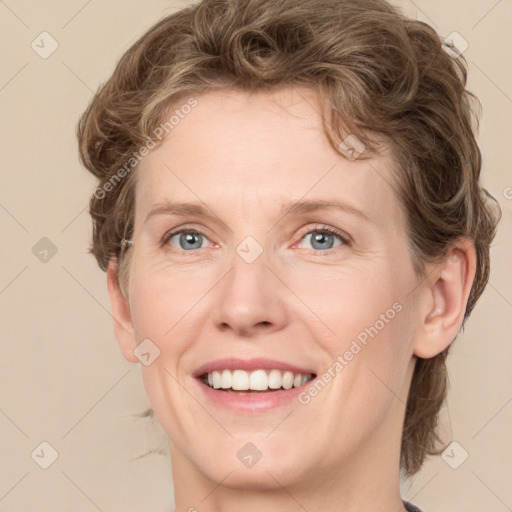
x=319 y=228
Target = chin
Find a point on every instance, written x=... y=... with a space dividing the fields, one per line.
x=243 y=464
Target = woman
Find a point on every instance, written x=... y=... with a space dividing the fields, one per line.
x=291 y=221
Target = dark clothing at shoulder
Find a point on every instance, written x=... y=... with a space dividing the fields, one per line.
x=410 y=507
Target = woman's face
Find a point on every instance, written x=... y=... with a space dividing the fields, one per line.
x=258 y=285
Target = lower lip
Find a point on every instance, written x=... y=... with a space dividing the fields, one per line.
x=251 y=402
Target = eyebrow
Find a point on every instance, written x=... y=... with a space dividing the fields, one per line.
x=290 y=208
x=179 y=209
x=304 y=207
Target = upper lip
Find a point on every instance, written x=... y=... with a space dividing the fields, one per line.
x=232 y=363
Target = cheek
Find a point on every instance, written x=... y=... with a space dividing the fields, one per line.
x=350 y=299
x=379 y=355
x=365 y=321
x=163 y=301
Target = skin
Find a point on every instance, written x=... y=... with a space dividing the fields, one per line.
x=244 y=155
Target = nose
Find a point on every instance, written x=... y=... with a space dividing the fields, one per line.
x=251 y=299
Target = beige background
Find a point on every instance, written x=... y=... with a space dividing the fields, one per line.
x=62 y=377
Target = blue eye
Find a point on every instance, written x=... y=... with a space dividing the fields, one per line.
x=323 y=239
x=187 y=239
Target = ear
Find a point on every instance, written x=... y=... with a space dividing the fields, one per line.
x=123 y=325
x=445 y=296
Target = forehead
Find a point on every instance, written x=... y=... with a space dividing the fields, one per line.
x=255 y=152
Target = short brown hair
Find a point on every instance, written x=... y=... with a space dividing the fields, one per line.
x=381 y=76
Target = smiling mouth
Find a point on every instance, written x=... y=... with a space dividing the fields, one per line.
x=257 y=381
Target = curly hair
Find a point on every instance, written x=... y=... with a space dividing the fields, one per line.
x=381 y=77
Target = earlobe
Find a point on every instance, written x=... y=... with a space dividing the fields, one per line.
x=123 y=324
x=446 y=296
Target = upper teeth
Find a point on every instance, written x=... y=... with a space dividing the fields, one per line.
x=257 y=380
